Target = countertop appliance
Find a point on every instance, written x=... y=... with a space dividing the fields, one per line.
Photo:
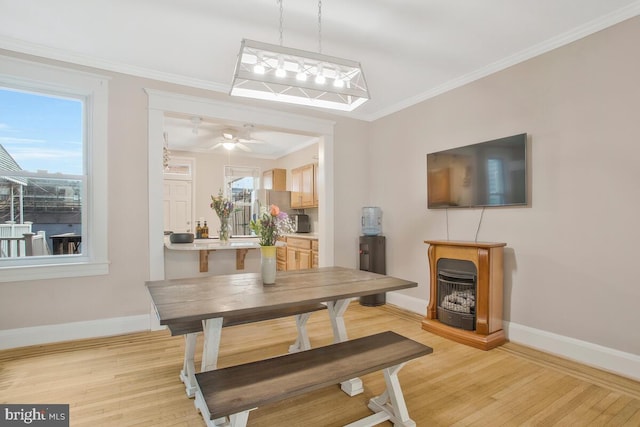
x=301 y=223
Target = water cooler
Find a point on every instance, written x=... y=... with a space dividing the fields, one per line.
x=372 y=251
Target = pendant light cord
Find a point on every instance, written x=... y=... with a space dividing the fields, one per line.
x=281 y=21
x=319 y=26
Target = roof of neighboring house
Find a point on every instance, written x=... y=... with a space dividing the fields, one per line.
x=8 y=163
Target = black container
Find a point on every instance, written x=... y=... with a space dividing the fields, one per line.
x=372 y=258
x=181 y=237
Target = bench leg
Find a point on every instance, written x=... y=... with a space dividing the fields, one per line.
x=392 y=400
x=239 y=419
x=212 y=331
x=302 y=341
x=336 y=311
x=187 y=375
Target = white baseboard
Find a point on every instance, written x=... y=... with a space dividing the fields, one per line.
x=622 y=363
x=36 y=335
x=412 y=304
x=597 y=356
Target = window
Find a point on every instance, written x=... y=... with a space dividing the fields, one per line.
x=52 y=172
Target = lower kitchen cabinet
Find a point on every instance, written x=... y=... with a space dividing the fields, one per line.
x=300 y=255
x=314 y=254
x=281 y=258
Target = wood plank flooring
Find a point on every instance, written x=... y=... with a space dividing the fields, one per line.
x=132 y=380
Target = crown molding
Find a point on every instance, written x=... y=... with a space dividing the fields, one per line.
x=48 y=52
x=553 y=43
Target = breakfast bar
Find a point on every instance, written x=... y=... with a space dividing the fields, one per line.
x=205 y=246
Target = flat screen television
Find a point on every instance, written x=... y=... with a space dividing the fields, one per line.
x=490 y=173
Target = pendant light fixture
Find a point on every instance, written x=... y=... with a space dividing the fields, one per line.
x=278 y=73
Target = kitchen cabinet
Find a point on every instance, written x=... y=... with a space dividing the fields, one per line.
x=314 y=254
x=274 y=179
x=303 y=193
x=281 y=256
x=298 y=254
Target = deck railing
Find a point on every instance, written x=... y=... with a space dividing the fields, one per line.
x=17 y=240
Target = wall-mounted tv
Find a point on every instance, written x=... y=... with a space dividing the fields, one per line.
x=490 y=173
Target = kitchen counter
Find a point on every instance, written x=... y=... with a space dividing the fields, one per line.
x=181 y=258
x=310 y=236
x=241 y=245
x=213 y=244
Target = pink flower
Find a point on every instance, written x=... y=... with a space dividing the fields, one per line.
x=274 y=210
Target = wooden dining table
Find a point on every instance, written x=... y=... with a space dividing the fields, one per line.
x=211 y=298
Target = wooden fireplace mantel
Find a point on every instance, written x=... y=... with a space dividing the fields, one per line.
x=488 y=259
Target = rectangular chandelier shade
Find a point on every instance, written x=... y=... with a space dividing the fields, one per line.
x=278 y=73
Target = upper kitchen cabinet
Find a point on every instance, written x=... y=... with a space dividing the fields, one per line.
x=303 y=187
x=274 y=179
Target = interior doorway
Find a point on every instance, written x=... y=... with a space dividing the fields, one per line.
x=161 y=103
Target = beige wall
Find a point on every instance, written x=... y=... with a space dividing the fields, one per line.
x=571 y=258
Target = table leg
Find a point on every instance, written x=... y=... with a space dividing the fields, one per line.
x=187 y=375
x=212 y=331
x=302 y=341
x=336 y=311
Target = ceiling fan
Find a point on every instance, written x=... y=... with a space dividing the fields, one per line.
x=231 y=138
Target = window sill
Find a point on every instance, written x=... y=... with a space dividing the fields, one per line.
x=53 y=271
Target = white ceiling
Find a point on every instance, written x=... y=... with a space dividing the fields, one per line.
x=204 y=135
x=410 y=50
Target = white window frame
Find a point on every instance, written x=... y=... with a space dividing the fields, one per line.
x=93 y=90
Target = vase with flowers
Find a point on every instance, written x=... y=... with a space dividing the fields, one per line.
x=223 y=208
x=268 y=226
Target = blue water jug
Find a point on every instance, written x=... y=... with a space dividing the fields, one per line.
x=371 y=221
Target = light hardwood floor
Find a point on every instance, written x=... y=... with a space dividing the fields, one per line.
x=132 y=380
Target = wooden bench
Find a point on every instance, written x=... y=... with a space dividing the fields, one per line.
x=234 y=391
x=191 y=330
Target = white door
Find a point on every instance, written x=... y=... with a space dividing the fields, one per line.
x=177 y=206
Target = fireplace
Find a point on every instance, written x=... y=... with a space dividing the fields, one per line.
x=465 y=302
x=456 y=293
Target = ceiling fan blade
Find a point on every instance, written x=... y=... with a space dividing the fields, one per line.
x=250 y=141
x=213 y=147
x=243 y=147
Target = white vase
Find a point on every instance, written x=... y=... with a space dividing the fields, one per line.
x=268 y=264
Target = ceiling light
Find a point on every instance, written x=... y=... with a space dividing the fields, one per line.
x=229 y=145
x=280 y=71
x=338 y=80
x=348 y=91
x=258 y=68
x=319 y=76
x=301 y=76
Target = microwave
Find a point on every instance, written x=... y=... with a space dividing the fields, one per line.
x=301 y=223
